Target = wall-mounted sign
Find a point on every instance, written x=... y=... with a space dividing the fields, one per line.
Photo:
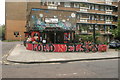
x=66 y=47
x=51 y=20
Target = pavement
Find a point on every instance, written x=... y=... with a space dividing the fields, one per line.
x=19 y=54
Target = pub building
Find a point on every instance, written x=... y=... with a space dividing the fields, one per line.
x=51 y=28
x=51 y=33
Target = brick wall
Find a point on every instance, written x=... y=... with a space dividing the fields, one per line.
x=15 y=19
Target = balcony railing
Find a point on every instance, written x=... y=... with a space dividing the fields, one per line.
x=83 y=20
x=83 y=9
x=109 y=11
x=115 y=23
x=108 y=22
x=115 y=3
x=84 y=32
x=94 y=21
x=108 y=2
x=115 y=13
x=107 y=32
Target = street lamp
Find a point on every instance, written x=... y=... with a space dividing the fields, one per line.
x=94 y=34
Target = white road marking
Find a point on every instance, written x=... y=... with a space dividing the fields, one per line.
x=74 y=73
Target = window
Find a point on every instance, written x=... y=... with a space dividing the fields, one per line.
x=102 y=18
x=78 y=16
x=96 y=7
x=84 y=28
x=90 y=17
x=78 y=26
x=107 y=8
x=83 y=9
x=76 y=5
x=67 y=4
x=83 y=5
x=102 y=8
x=93 y=17
x=92 y=7
x=90 y=28
x=50 y=3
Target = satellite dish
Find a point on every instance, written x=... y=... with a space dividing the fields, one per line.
x=41 y=15
x=63 y=20
x=72 y=14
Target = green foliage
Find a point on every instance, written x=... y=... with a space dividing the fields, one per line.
x=116 y=32
x=2 y=31
x=87 y=37
x=10 y=40
x=77 y=36
x=97 y=34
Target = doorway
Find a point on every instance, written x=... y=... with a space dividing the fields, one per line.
x=50 y=37
x=55 y=37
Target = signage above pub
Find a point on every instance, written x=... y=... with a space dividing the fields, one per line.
x=51 y=20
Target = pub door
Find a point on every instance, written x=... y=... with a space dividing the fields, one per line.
x=59 y=37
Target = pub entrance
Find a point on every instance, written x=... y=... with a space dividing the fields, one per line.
x=58 y=35
x=55 y=37
x=50 y=37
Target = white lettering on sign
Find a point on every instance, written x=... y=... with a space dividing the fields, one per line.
x=51 y=20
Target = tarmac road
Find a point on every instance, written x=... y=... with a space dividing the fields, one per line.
x=83 y=69
x=79 y=69
x=7 y=46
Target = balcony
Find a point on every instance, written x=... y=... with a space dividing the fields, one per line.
x=86 y=20
x=108 y=22
x=82 y=20
x=109 y=11
x=100 y=22
x=115 y=23
x=105 y=32
x=84 y=32
x=115 y=13
x=68 y=8
x=115 y=3
x=108 y=32
x=108 y=2
x=96 y=11
x=83 y=9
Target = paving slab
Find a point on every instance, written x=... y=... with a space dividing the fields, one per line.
x=20 y=54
